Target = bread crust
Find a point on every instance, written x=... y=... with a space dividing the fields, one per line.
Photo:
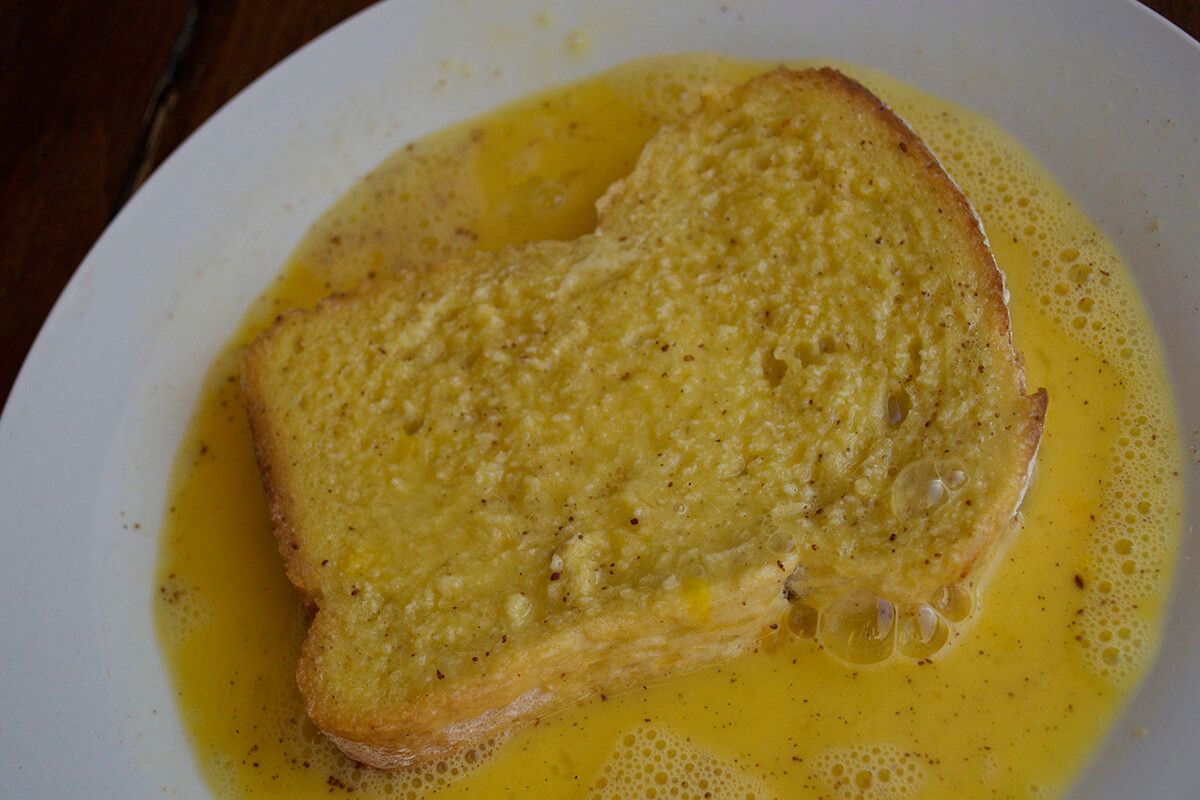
x=482 y=707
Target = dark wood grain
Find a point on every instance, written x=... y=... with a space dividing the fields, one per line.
x=94 y=95
x=74 y=111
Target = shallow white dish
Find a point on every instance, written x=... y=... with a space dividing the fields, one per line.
x=1104 y=93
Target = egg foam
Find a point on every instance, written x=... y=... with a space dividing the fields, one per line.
x=1010 y=705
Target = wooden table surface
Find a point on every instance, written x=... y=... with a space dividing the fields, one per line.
x=95 y=95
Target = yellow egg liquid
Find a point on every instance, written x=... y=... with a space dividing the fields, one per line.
x=1070 y=619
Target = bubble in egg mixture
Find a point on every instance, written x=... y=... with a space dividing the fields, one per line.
x=896 y=406
x=954 y=602
x=924 y=486
x=859 y=627
x=870 y=772
x=801 y=620
x=921 y=632
x=649 y=762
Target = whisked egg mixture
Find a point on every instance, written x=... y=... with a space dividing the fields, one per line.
x=994 y=690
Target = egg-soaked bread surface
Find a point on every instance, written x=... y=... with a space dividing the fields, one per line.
x=780 y=367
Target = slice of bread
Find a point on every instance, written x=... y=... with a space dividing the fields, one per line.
x=780 y=367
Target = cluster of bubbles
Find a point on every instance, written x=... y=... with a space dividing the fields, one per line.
x=860 y=627
x=189 y=609
x=649 y=763
x=411 y=783
x=1126 y=554
x=344 y=777
x=871 y=772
